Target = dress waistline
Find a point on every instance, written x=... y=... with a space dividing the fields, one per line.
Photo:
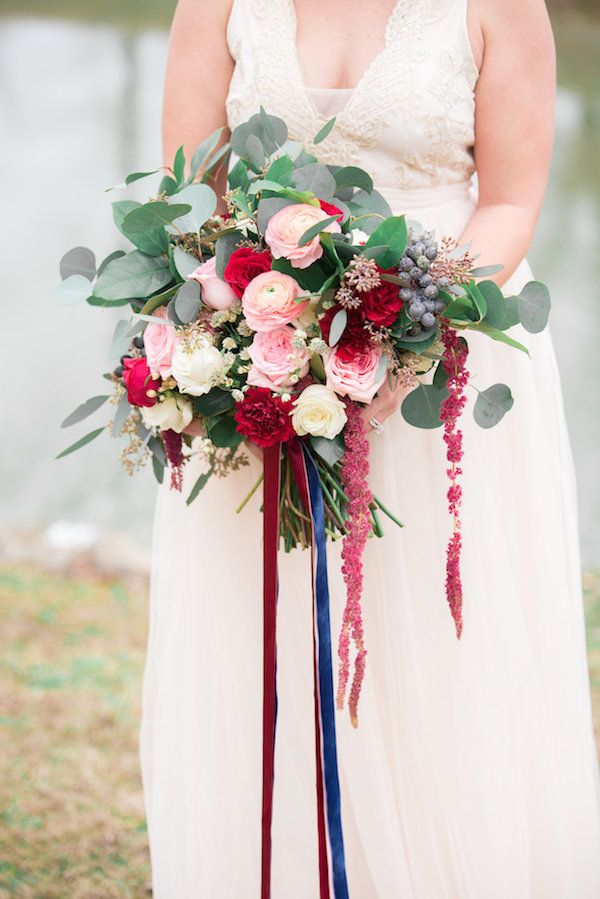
x=426 y=197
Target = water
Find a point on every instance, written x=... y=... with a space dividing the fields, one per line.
x=80 y=108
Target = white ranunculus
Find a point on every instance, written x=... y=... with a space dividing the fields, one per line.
x=318 y=411
x=358 y=237
x=173 y=413
x=197 y=368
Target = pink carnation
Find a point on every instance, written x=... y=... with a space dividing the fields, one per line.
x=355 y=374
x=286 y=228
x=159 y=343
x=274 y=359
x=269 y=301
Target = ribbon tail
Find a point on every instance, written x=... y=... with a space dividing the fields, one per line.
x=272 y=476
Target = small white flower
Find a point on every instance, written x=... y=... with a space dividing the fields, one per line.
x=300 y=334
x=173 y=413
x=358 y=237
x=198 y=367
x=317 y=345
x=237 y=395
x=229 y=343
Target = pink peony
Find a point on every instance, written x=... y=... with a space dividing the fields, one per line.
x=159 y=343
x=216 y=292
x=269 y=301
x=274 y=359
x=355 y=374
x=286 y=228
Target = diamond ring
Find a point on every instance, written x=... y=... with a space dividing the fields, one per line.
x=376 y=425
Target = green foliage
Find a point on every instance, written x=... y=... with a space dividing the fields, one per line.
x=492 y=405
x=392 y=235
x=421 y=407
x=83 y=441
x=84 y=410
x=133 y=275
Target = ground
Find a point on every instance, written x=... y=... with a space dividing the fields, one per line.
x=71 y=812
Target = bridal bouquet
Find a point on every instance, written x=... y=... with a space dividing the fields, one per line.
x=278 y=322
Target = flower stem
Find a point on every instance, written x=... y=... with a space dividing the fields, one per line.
x=252 y=492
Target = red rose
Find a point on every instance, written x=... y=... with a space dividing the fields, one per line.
x=354 y=339
x=330 y=209
x=244 y=265
x=139 y=383
x=382 y=304
x=263 y=417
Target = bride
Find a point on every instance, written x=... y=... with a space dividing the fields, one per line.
x=473 y=774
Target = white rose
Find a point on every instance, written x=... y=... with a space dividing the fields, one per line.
x=318 y=411
x=197 y=368
x=358 y=237
x=173 y=413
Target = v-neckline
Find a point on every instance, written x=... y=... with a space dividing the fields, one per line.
x=352 y=91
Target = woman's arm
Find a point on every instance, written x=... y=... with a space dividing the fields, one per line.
x=199 y=68
x=514 y=123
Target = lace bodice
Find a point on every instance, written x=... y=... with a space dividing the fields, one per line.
x=409 y=121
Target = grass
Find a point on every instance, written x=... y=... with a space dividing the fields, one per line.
x=71 y=810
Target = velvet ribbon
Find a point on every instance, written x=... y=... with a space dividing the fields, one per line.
x=332 y=869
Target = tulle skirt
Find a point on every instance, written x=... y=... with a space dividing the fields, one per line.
x=473 y=772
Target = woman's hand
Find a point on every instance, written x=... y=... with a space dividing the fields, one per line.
x=385 y=403
x=195 y=428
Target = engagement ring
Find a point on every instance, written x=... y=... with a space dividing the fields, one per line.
x=376 y=425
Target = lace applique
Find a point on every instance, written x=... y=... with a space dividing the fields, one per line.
x=428 y=89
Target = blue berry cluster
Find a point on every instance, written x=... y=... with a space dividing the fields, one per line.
x=418 y=289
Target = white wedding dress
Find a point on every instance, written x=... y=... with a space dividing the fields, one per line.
x=473 y=773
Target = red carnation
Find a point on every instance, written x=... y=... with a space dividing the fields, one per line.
x=354 y=339
x=263 y=417
x=382 y=304
x=330 y=209
x=244 y=265
x=141 y=389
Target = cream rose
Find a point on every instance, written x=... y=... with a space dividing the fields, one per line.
x=269 y=301
x=197 y=367
x=275 y=359
x=318 y=411
x=287 y=226
x=173 y=413
x=216 y=292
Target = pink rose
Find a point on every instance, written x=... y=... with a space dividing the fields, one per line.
x=354 y=374
x=159 y=343
x=215 y=291
x=286 y=228
x=274 y=359
x=269 y=301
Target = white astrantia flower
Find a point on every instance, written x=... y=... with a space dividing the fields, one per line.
x=173 y=413
x=318 y=411
x=198 y=366
x=358 y=237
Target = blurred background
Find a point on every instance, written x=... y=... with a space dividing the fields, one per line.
x=80 y=108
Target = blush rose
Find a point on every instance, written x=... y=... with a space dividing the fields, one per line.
x=287 y=226
x=269 y=301
x=355 y=374
x=275 y=359
x=216 y=293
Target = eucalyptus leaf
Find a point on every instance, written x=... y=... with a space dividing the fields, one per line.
x=498 y=335
x=351 y=176
x=136 y=176
x=280 y=171
x=120 y=340
x=534 y=306
x=338 y=326
x=187 y=302
x=81 y=442
x=158 y=469
x=157 y=450
x=382 y=367
x=254 y=152
x=203 y=152
x=185 y=263
x=123 y=410
x=316 y=229
x=421 y=407
x=492 y=405
x=316 y=178
x=324 y=131
x=374 y=205
x=116 y=255
x=485 y=271
x=78 y=261
x=84 y=410
x=107 y=304
x=238 y=176
x=329 y=450
x=153 y=242
x=199 y=485
x=479 y=300
x=224 y=247
x=202 y=201
x=496 y=304
x=179 y=165
x=133 y=275
x=215 y=402
x=74 y=289
x=151 y=215
x=224 y=433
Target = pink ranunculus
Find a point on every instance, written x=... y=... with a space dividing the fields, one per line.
x=286 y=228
x=216 y=292
x=354 y=374
x=269 y=301
x=274 y=359
x=159 y=343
